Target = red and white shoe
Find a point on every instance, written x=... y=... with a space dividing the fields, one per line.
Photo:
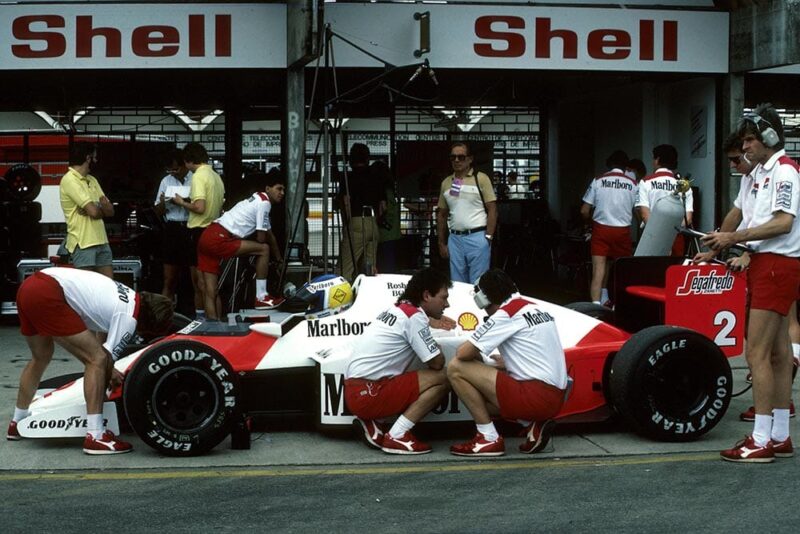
x=268 y=303
x=12 y=434
x=537 y=437
x=405 y=444
x=108 y=443
x=750 y=413
x=370 y=431
x=746 y=451
x=783 y=449
x=480 y=446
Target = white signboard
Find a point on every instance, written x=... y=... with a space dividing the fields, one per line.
x=131 y=36
x=531 y=37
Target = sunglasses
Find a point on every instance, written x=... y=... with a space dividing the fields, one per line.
x=736 y=160
x=458 y=157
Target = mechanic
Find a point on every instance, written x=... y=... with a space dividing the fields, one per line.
x=93 y=318
x=531 y=381
x=206 y=196
x=178 y=251
x=608 y=202
x=362 y=196
x=467 y=217
x=773 y=280
x=377 y=381
x=738 y=217
x=660 y=184
x=226 y=238
x=85 y=205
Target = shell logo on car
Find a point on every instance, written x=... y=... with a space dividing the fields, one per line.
x=468 y=321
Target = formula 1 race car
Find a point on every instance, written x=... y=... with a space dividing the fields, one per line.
x=185 y=393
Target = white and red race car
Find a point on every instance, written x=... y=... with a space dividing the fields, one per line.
x=187 y=392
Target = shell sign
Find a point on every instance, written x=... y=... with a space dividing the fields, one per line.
x=468 y=321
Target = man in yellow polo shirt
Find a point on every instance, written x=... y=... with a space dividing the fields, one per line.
x=85 y=204
x=205 y=201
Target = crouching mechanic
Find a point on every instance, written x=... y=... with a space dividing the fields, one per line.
x=377 y=381
x=225 y=238
x=530 y=388
x=71 y=307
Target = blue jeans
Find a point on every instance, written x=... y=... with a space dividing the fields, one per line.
x=469 y=256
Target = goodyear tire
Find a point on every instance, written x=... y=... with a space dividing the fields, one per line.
x=670 y=383
x=181 y=398
x=593 y=310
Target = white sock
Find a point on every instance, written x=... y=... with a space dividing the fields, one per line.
x=796 y=350
x=780 y=424
x=597 y=302
x=261 y=289
x=762 y=430
x=95 y=423
x=524 y=423
x=20 y=414
x=488 y=430
x=401 y=426
x=199 y=313
x=603 y=295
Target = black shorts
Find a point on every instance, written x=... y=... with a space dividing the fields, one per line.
x=195 y=233
x=177 y=247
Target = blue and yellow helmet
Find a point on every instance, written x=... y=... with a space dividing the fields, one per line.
x=325 y=295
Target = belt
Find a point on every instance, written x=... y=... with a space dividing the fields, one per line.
x=467 y=232
x=182 y=223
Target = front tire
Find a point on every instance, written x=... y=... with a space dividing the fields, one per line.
x=181 y=398
x=670 y=383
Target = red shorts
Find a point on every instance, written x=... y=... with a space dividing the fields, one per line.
x=532 y=400
x=44 y=311
x=368 y=399
x=611 y=241
x=678 y=246
x=772 y=282
x=215 y=244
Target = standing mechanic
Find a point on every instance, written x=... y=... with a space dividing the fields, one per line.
x=660 y=184
x=773 y=280
x=468 y=209
x=71 y=307
x=85 y=204
x=177 y=248
x=363 y=200
x=206 y=196
x=377 y=381
x=608 y=202
x=531 y=384
x=226 y=238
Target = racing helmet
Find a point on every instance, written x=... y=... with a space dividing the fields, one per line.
x=325 y=295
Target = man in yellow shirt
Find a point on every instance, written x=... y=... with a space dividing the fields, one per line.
x=205 y=201
x=85 y=204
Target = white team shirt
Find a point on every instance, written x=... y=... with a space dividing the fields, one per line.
x=527 y=339
x=613 y=195
x=776 y=188
x=247 y=216
x=745 y=200
x=390 y=342
x=658 y=185
x=103 y=304
x=174 y=212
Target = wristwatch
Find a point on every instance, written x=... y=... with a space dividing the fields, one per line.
x=489 y=237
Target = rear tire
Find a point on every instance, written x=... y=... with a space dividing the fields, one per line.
x=594 y=310
x=670 y=383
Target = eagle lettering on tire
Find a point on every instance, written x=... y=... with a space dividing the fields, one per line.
x=181 y=397
x=671 y=384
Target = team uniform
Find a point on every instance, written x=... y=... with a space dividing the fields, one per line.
x=658 y=185
x=63 y=302
x=86 y=241
x=773 y=277
x=223 y=237
x=206 y=185
x=532 y=388
x=470 y=251
x=377 y=383
x=177 y=247
x=613 y=196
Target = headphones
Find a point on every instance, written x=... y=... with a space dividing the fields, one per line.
x=768 y=135
x=481 y=300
